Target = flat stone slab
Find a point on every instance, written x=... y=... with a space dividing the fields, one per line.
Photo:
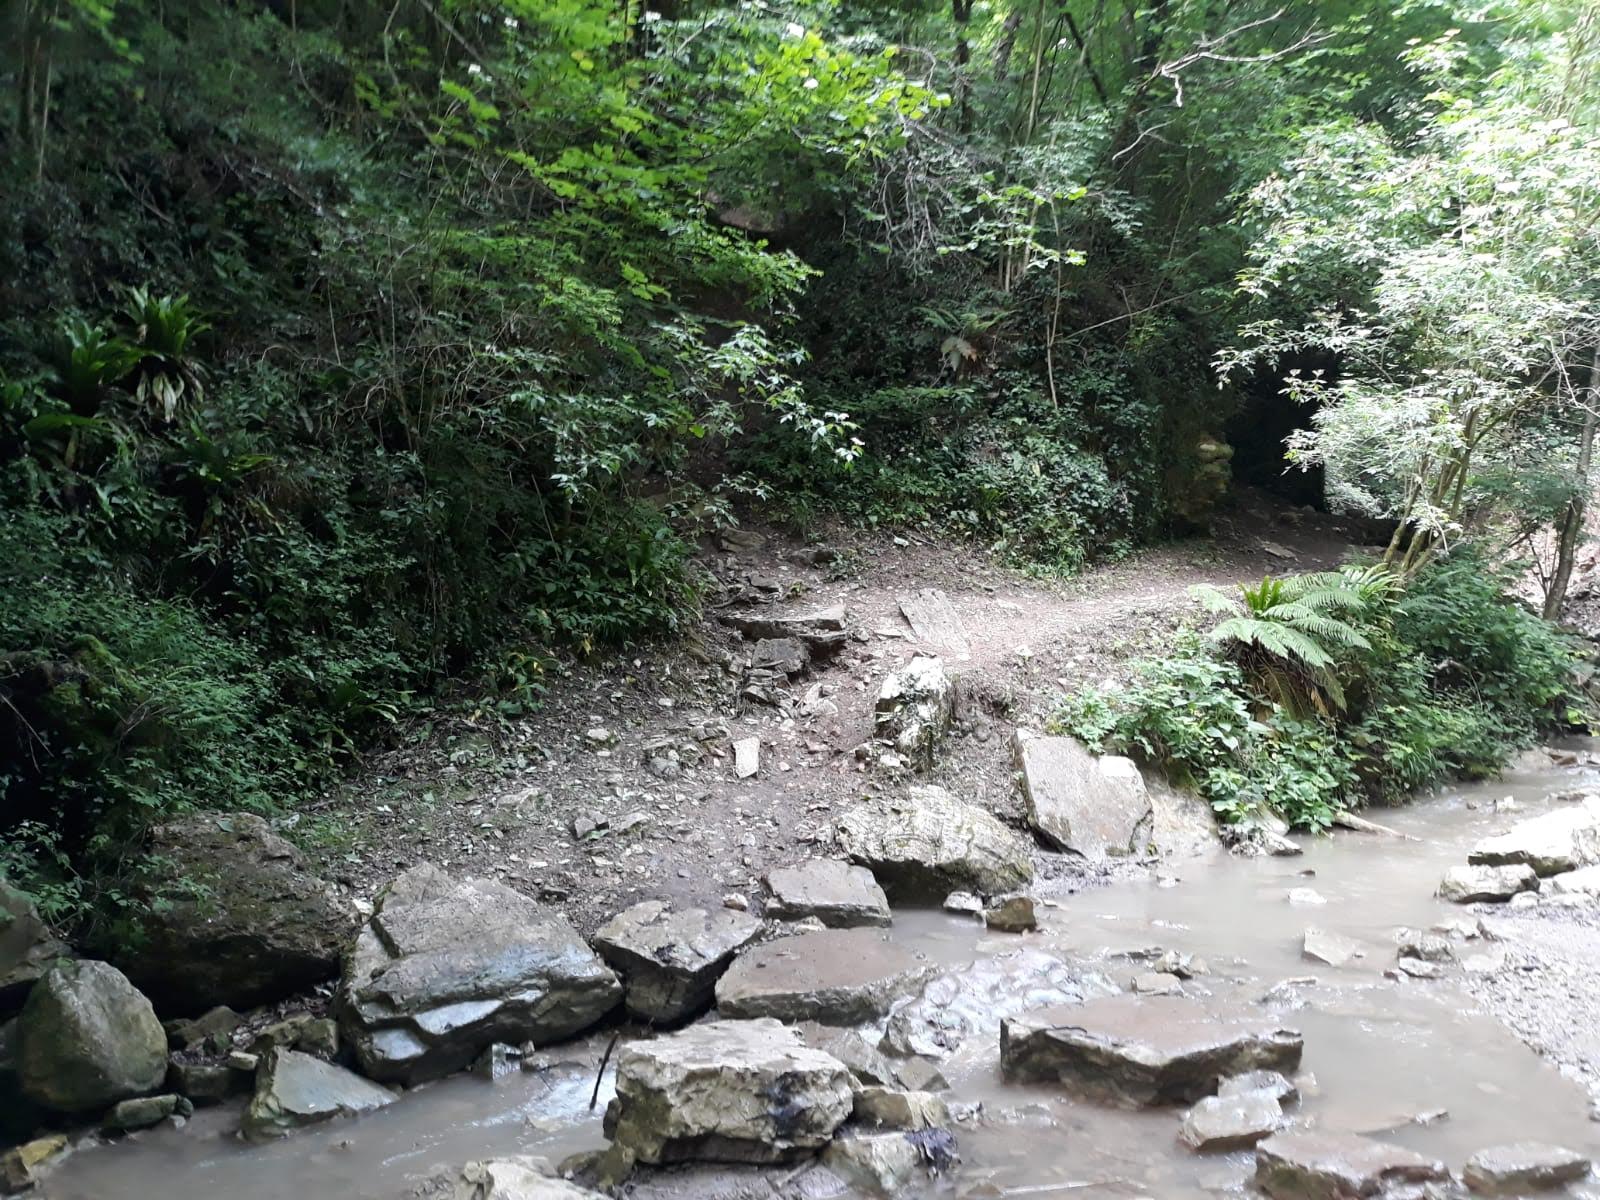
x=1335 y=1166
x=836 y=977
x=1585 y=881
x=1218 y=1124
x=1487 y=885
x=446 y=968
x=1558 y=841
x=1094 y=806
x=516 y=1178
x=671 y=961
x=926 y=844
x=727 y=1091
x=1523 y=1167
x=839 y=894
x=294 y=1090
x=1329 y=949
x=1144 y=1051
x=935 y=622
x=1280 y=1088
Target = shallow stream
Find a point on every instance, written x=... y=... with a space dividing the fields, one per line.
x=1379 y=1053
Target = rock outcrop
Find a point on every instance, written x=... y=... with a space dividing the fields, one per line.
x=1143 y=1050
x=1093 y=806
x=1558 y=841
x=835 y=977
x=27 y=948
x=1488 y=885
x=243 y=921
x=445 y=968
x=927 y=844
x=728 y=1091
x=1334 y=1166
x=839 y=894
x=294 y=1090
x=87 y=1038
x=670 y=961
x=915 y=708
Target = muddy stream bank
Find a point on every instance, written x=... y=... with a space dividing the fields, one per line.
x=1415 y=1062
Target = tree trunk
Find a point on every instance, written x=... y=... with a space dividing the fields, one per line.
x=1571 y=529
x=961 y=12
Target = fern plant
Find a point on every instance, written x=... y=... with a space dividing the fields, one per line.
x=1291 y=635
x=163 y=373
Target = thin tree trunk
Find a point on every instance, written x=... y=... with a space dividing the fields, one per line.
x=961 y=11
x=1577 y=508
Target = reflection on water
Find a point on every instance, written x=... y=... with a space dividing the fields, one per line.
x=1379 y=1053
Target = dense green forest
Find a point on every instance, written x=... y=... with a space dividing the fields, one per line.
x=356 y=358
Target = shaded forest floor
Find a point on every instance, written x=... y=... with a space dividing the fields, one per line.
x=504 y=799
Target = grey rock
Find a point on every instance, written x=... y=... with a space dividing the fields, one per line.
x=498 y=1062
x=1523 y=1167
x=21 y=1167
x=1559 y=841
x=972 y=1000
x=516 y=1178
x=786 y=656
x=145 y=1111
x=894 y=1109
x=27 y=947
x=1272 y=1082
x=1183 y=825
x=1330 y=949
x=294 y=1090
x=203 y=1083
x=1585 y=881
x=728 y=1091
x=840 y=894
x=1430 y=947
x=1220 y=1123
x=1011 y=914
x=445 y=968
x=915 y=708
x=670 y=961
x=262 y=927
x=88 y=1038
x=1334 y=1166
x=212 y=1029
x=865 y=1061
x=823 y=632
x=920 y=1075
x=1418 y=968
x=1157 y=983
x=1143 y=1051
x=928 y=843
x=1487 y=884
x=837 y=977
x=746 y=757
x=883 y=1164
x=964 y=903
x=1094 y=806
x=934 y=621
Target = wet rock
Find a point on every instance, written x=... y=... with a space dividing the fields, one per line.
x=1271 y=1082
x=1330 y=949
x=88 y=1038
x=928 y=843
x=145 y=1111
x=836 y=977
x=1143 y=1050
x=27 y=947
x=1157 y=983
x=1523 y=1167
x=964 y=903
x=972 y=1000
x=840 y=894
x=1585 y=881
x=21 y=1167
x=1011 y=914
x=445 y=968
x=203 y=1083
x=212 y=1029
x=299 y=1031
x=1333 y=1166
x=263 y=926
x=1093 y=806
x=727 y=1091
x=1184 y=966
x=1430 y=947
x=515 y=1178
x=895 y=1109
x=914 y=709
x=1306 y=896
x=919 y=1074
x=671 y=961
x=1559 y=841
x=865 y=1061
x=1418 y=968
x=885 y=1164
x=1220 y=1123
x=294 y=1090
x=1484 y=884
x=498 y=1062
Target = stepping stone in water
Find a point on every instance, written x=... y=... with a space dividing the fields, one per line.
x=1523 y=1167
x=840 y=894
x=1337 y=1166
x=1556 y=842
x=1330 y=949
x=1492 y=885
x=837 y=977
x=1222 y=1123
x=294 y=1090
x=934 y=621
x=670 y=962
x=1143 y=1051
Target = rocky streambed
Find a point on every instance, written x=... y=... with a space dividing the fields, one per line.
x=1320 y=1024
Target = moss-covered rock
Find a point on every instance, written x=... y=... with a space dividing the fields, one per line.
x=88 y=1038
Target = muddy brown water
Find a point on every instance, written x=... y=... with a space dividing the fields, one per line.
x=1378 y=1052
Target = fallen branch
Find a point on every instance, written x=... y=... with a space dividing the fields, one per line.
x=1362 y=825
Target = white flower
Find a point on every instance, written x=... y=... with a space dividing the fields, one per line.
x=809 y=84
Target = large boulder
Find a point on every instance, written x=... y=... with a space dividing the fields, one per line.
x=915 y=708
x=1523 y=1167
x=87 y=1038
x=927 y=844
x=971 y=1001
x=516 y=1178
x=27 y=947
x=235 y=917
x=1337 y=1166
x=1558 y=841
x=1492 y=885
x=445 y=968
x=671 y=961
x=1143 y=1050
x=836 y=977
x=839 y=894
x=727 y=1091
x=294 y=1090
x=1094 y=806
